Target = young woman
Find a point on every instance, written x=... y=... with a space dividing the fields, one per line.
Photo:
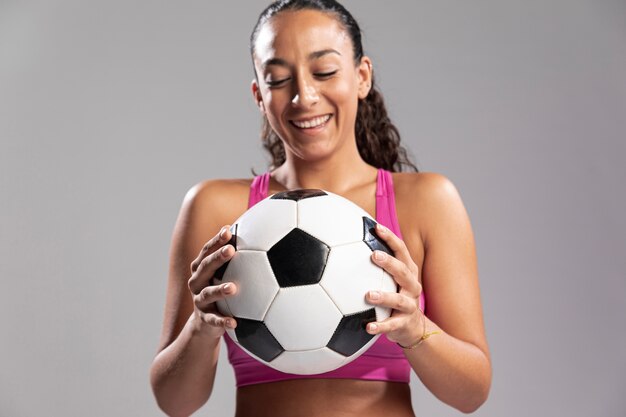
x=326 y=127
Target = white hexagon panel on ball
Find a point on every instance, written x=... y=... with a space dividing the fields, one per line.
x=265 y=223
x=308 y=362
x=250 y=301
x=349 y=275
x=302 y=318
x=332 y=219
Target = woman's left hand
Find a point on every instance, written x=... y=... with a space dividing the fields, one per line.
x=405 y=325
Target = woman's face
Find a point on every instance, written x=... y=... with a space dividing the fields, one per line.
x=308 y=85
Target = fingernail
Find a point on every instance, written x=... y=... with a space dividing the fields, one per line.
x=372 y=327
x=374 y=295
x=224 y=250
x=379 y=255
x=223 y=232
x=227 y=287
x=380 y=228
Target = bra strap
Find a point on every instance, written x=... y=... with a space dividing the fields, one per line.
x=386 y=212
x=259 y=189
x=386 y=202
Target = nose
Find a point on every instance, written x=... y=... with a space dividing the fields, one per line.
x=305 y=95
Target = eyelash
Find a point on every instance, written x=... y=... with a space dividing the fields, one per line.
x=326 y=74
x=322 y=75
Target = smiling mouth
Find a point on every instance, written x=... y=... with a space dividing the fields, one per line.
x=313 y=123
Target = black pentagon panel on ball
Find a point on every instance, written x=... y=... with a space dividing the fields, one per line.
x=219 y=274
x=256 y=337
x=298 y=259
x=297 y=195
x=371 y=239
x=350 y=335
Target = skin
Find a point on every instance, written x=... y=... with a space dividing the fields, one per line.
x=437 y=253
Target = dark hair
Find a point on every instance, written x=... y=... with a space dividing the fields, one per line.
x=378 y=140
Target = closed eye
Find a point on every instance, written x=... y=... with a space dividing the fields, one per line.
x=319 y=74
x=275 y=83
x=325 y=74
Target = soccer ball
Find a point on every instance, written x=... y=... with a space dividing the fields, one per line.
x=302 y=268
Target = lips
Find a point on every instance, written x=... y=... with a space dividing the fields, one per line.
x=312 y=122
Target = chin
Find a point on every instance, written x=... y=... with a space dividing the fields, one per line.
x=313 y=153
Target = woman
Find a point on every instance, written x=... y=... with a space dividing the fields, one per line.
x=326 y=127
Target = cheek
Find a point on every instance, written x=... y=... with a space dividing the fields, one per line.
x=274 y=106
x=343 y=91
x=345 y=95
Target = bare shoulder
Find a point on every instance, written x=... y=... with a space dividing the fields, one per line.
x=429 y=198
x=207 y=206
x=219 y=197
x=449 y=270
x=423 y=184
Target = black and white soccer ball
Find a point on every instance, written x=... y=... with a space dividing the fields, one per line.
x=302 y=267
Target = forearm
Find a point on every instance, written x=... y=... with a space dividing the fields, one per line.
x=456 y=372
x=182 y=374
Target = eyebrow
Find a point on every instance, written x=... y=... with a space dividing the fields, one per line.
x=313 y=55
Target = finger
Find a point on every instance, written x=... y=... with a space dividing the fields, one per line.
x=205 y=271
x=213 y=293
x=388 y=325
x=218 y=320
x=396 y=301
x=396 y=244
x=402 y=273
x=211 y=246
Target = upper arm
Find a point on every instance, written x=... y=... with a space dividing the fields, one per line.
x=450 y=271
x=201 y=216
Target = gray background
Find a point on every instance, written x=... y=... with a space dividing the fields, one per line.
x=111 y=110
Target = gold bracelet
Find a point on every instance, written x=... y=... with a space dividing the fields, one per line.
x=421 y=339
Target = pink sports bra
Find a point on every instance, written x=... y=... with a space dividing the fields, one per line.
x=383 y=361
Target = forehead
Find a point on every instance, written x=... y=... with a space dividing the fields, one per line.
x=293 y=34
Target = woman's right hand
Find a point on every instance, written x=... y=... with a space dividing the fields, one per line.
x=215 y=253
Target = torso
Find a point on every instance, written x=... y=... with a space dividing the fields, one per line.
x=336 y=397
x=324 y=398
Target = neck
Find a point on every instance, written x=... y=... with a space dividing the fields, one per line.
x=337 y=175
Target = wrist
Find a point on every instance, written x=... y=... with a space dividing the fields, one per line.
x=200 y=328
x=424 y=333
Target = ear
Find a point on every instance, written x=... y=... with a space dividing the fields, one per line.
x=365 y=72
x=258 y=99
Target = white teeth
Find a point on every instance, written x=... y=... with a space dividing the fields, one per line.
x=312 y=123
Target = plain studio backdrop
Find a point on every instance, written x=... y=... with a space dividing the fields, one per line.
x=111 y=110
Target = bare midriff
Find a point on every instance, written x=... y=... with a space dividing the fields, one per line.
x=325 y=398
